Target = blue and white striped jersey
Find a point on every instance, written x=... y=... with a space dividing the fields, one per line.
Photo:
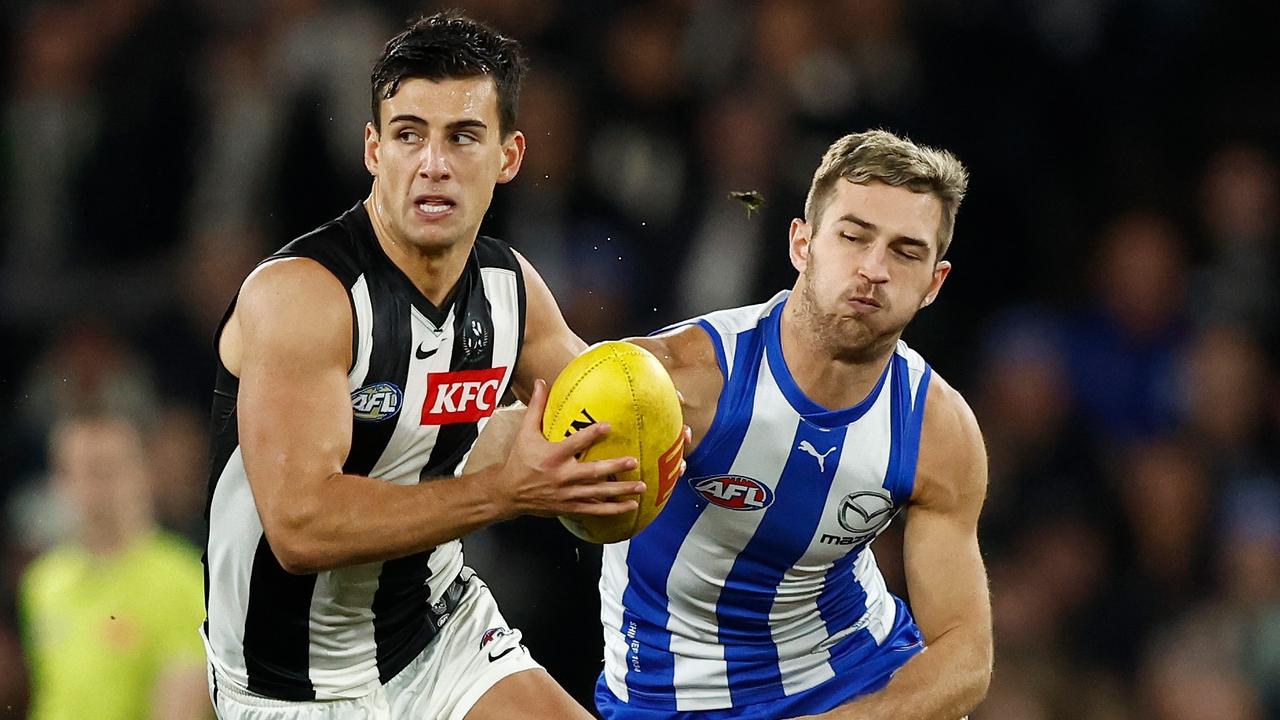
x=757 y=582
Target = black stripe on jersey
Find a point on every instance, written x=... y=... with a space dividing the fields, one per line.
x=388 y=362
x=401 y=628
x=277 y=629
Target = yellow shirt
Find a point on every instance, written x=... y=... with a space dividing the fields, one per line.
x=99 y=631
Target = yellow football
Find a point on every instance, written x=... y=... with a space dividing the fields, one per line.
x=628 y=387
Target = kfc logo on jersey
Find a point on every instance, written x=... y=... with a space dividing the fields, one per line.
x=734 y=492
x=462 y=396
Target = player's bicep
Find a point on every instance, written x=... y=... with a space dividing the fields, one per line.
x=689 y=357
x=294 y=409
x=946 y=578
x=549 y=344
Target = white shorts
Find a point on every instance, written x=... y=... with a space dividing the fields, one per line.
x=474 y=650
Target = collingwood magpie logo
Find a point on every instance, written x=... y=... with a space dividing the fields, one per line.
x=865 y=513
x=475 y=338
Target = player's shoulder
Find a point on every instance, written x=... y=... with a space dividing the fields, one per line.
x=680 y=348
x=952 y=459
x=701 y=340
x=492 y=252
x=286 y=287
x=342 y=246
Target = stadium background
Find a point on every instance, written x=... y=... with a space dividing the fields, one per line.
x=1112 y=315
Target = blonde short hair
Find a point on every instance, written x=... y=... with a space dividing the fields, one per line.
x=881 y=156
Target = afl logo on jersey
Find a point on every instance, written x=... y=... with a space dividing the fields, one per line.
x=376 y=402
x=733 y=492
x=865 y=513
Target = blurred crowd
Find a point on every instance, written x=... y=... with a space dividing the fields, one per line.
x=1113 y=315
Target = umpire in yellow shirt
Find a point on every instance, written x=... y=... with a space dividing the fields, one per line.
x=110 y=617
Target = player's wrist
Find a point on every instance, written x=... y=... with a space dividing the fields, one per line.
x=495 y=497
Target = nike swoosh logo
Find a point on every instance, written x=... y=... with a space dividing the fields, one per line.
x=418 y=353
x=499 y=656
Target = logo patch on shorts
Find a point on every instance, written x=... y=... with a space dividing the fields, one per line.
x=376 y=402
x=493 y=634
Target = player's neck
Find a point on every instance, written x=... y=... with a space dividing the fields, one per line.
x=832 y=381
x=434 y=273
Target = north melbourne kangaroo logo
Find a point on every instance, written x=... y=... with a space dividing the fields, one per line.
x=808 y=447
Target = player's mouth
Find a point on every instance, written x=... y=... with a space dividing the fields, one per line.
x=864 y=304
x=433 y=207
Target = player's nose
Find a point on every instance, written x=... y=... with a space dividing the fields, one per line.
x=874 y=265
x=434 y=162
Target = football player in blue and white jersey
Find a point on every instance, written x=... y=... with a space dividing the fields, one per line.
x=755 y=594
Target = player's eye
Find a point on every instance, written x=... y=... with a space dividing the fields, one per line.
x=463 y=138
x=907 y=254
x=850 y=238
x=409 y=136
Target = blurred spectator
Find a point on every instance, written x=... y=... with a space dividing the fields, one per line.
x=1225 y=389
x=110 y=615
x=1125 y=342
x=1042 y=460
x=1240 y=197
x=177 y=446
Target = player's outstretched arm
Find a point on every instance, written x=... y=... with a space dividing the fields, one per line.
x=945 y=575
x=690 y=359
x=289 y=341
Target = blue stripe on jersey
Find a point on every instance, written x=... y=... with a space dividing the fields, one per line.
x=899 y=414
x=843 y=600
x=778 y=543
x=911 y=437
x=812 y=411
x=653 y=551
x=719 y=343
x=858 y=657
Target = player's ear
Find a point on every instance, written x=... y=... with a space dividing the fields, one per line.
x=801 y=235
x=940 y=273
x=512 y=156
x=371 y=148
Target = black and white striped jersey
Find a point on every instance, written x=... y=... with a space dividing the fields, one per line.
x=423 y=383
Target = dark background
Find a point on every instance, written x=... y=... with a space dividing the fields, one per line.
x=1112 y=314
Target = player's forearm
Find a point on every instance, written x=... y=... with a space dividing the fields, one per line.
x=351 y=519
x=945 y=682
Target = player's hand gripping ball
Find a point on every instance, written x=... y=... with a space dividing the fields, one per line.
x=626 y=386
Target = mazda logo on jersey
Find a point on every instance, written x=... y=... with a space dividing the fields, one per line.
x=462 y=396
x=376 y=402
x=733 y=492
x=865 y=513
